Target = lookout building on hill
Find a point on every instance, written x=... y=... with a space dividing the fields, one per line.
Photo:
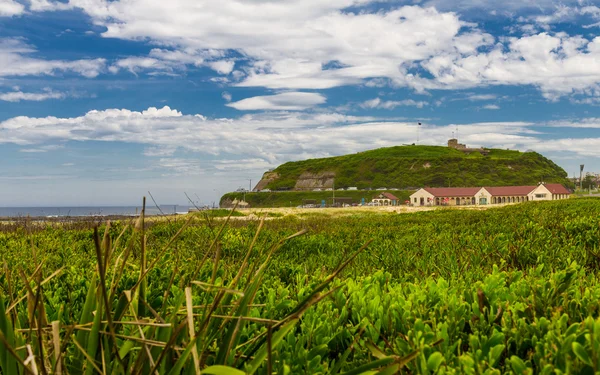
x=463 y=196
x=453 y=143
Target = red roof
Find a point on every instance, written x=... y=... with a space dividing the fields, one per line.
x=388 y=196
x=557 y=189
x=498 y=191
x=453 y=191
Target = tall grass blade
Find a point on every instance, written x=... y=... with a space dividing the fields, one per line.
x=262 y=353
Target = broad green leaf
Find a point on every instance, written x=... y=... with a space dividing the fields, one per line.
x=435 y=361
x=582 y=354
x=222 y=370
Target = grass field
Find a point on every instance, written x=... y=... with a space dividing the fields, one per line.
x=503 y=290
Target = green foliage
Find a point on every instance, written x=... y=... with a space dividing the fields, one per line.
x=412 y=167
x=505 y=290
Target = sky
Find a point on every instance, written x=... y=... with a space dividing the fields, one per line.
x=103 y=101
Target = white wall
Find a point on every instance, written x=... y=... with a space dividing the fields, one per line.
x=422 y=193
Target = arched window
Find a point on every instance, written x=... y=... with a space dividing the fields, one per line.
x=503 y=199
x=458 y=201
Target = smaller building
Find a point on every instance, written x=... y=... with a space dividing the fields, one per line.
x=547 y=192
x=385 y=199
x=444 y=196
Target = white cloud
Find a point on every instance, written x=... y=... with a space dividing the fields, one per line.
x=15 y=60
x=267 y=139
x=563 y=13
x=42 y=149
x=491 y=107
x=391 y=104
x=10 y=8
x=589 y=123
x=506 y=7
x=288 y=101
x=179 y=166
x=481 y=97
x=556 y=64
x=288 y=44
x=47 y=6
x=314 y=44
x=135 y=64
x=227 y=96
x=222 y=66
x=16 y=96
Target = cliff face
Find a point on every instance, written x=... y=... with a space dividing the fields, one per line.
x=411 y=167
x=310 y=181
x=306 y=181
x=266 y=179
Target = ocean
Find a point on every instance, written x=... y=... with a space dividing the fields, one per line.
x=88 y=211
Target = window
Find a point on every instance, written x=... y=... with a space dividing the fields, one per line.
x=540 y=195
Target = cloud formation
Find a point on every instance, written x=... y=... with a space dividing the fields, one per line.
x=287 y=101
x=10 y=8
x=17 y=96
x=268 y=139
x=16 y=60
x=391 y=104
x=314 y=44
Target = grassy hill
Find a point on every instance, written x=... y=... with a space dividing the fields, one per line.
x=411 y=167
x=403 y=167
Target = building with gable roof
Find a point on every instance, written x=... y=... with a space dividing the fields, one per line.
x=464 y=196
x=385 y=199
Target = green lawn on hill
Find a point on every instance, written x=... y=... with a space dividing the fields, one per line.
x=412 y=167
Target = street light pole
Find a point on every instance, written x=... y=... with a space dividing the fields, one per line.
x=333 y=190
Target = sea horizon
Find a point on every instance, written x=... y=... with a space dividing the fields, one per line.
x=79 y=211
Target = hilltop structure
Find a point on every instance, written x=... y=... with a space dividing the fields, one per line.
x=463 y=196
x=453 y=143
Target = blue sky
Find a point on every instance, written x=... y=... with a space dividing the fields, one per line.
x=102 y=101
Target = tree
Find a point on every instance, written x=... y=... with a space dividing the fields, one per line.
x=589 y=182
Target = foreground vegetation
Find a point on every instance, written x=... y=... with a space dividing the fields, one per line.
x=506 y=290
x=409 y=167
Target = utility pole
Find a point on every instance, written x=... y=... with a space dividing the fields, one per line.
x=581 y=177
